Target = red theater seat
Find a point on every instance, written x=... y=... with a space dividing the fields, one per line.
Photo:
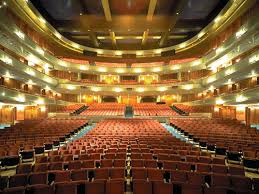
x=142 y=187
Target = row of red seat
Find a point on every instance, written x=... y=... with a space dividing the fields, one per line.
x=153 y=109
x=72 y=107
x=28 y=138
x=105 y=109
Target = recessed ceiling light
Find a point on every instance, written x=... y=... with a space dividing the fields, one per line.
x=177 y=13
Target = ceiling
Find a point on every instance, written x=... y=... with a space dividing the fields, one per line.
x=129 y=24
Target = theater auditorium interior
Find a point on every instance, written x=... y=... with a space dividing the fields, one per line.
x=129 y=96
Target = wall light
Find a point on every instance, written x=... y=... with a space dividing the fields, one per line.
x=43 y=108
x=42 y=20
x=139 y=53
x=158 y=51
x=162 y=89
x=229 y=71
x=102 y=69
x=83 y=67
x=75 y=45
x=241 y=98
x=39 y=101
x=58 y=35
x=175 y=67
x=157 y=69
x=216 y=109
x=195 y=63
x=20 y=98
x=183 y=45
x=241 y=32
x=118 y=53
x=6 y=60
x=33 y=59
x=20 y=107
x=63 y=64
x=118 y=89
x=253 y=59
x=140 y=89
x=30 y=82
x=40 y=51
x=120 y=70
x=95 y=89
x=137 y=70
x=30 y=72
x=211 y=79
x=187 y=87
x=19 y=34
x=100 y=52
x=220 y=101
x=71 y=87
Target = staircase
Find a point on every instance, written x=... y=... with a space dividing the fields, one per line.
x=129 y=112
x=179 y=111
x=80 y=110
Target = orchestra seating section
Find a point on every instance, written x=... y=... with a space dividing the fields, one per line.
x=224 y=137
x=130 y=155
x=186 y=108
x=153 y=109
x=105 y=109
x=72 y=108
x=25 y=139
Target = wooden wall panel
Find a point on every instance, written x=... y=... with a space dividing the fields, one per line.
x=7 y=115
